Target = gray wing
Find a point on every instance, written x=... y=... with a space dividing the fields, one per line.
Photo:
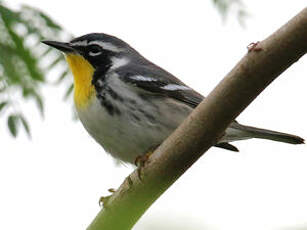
x=157 y=81
x=154 y=80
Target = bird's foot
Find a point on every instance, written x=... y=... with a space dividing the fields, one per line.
x=104 y=199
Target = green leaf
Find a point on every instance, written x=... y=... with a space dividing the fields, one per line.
x=22 y=58
x=49 y=22
x=3 y=104
x=54 y=63
x=62 y=76
x=12 y=123
x=224 y=7
x=48 y=50
x=25 y=125
x=68 y=92
x=9 y=14
x=39 y=103
x=7 y=61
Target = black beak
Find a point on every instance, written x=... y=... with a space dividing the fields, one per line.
x=62 y=46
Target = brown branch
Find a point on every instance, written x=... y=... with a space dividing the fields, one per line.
x=260 y=66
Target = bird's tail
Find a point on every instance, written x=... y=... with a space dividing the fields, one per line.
x=270 y=135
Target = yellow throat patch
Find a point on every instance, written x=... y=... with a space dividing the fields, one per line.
x=83 y=72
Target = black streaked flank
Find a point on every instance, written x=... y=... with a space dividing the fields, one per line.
x=101 y=92
x=151 y=118
x=102 y=89
x=135 y=117
x=110 y=108
x=114 y=95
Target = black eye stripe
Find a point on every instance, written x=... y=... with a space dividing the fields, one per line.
x=94 y=49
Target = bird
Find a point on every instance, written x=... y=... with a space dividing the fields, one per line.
x=130 y=105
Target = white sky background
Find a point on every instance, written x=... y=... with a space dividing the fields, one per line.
x=55 y=180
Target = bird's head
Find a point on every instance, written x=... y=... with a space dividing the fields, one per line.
x=97 y=49
x=87 y=53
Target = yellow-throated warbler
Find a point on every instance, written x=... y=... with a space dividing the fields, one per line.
x=130 y=105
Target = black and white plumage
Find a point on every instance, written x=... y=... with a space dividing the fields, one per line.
x=137 y=104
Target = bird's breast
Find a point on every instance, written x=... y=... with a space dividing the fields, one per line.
x=83 y=71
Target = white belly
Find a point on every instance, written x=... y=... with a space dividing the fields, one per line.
x=136 y=130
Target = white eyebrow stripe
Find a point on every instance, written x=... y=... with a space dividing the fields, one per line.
x=119 y=62
x=106 y=46
x=174 y=87
x=142 y=78
x=79 y=43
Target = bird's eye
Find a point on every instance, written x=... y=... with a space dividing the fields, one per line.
x=94 y=50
